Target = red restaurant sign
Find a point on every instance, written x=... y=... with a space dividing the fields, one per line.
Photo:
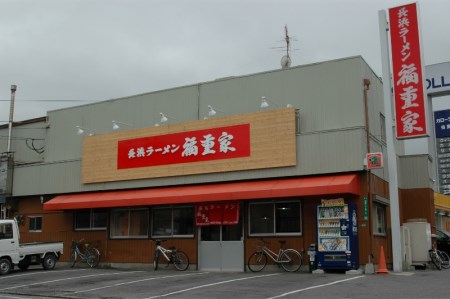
x=192 y=146
x=408 y=84
x=217 y=213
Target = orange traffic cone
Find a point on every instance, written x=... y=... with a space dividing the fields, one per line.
x=382 y=263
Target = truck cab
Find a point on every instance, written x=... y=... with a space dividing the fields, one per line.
x=8 y=243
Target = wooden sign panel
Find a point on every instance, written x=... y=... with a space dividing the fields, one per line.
x=232 y=143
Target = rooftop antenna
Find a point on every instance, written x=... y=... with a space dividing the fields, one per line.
x=286 y=59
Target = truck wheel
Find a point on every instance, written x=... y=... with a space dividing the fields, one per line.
x=5 y=266
x=49 y=262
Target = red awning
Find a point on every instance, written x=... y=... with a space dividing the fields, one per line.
x=308 y=186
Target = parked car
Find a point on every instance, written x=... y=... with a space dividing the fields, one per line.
x=443 y=240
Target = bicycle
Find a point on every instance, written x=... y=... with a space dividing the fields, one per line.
x=439 y=258
x=289 y=259
x=173 y=256
x=444 y=258
x=88 y=254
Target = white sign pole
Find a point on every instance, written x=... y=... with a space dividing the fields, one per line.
x=391 y=153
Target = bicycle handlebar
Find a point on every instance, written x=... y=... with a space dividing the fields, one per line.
x=159 y=241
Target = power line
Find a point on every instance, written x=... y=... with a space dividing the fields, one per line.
x=21 y=138
x=51 y=100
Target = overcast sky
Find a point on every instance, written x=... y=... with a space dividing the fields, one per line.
x=63 y=53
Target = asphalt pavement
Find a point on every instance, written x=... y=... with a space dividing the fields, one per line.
x=100 y=283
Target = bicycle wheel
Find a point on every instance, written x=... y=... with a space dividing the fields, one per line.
x=93 y=257
x=291 y=260
x=257 y=261
x=156 y=260
x=73 y=258
x=180 y=260
x=444 y=258
x=435 y=259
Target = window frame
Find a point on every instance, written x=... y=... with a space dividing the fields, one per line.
x=128 y=210
x=91 y=220
x=382 y=127
x=172 y=235
x=379 y=207
x=32 y=219
x=274 y=214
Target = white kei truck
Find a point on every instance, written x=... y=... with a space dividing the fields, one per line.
x=12 y=253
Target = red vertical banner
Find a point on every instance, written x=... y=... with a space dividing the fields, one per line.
x=409 y=96
x=216 y=214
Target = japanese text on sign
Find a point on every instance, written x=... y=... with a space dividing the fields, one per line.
x=217 y=213
x=442 y=124
x=193 y=146
x=407 y=72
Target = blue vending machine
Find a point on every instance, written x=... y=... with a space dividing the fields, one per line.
x=337 y=235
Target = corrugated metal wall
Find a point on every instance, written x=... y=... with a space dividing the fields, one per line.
x=414 y=172
x=329 y=96
x=28 y=140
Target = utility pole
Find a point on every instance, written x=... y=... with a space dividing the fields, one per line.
x=11 y=115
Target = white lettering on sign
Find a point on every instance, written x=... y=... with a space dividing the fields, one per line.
x=407 y=75
x=190 y=147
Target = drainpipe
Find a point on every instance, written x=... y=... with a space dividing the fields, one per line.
x=198 y=101
x=366 y=112
x=11 y=113
x=366 y=83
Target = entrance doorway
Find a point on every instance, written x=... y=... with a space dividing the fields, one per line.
x=221 y=248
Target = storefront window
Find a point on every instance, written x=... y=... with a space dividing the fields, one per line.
x=129 y=223
x=287 y=217
x=379 y=219
x=94 y=219
x=275 y=218
x=173 y=221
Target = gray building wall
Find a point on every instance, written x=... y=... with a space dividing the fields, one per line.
x=28 y=140
x=328 y=95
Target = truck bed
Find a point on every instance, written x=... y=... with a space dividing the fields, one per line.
x=40 y=247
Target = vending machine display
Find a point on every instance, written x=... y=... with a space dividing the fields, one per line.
x=337 y=235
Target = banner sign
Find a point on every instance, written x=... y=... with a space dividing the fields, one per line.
x=191 y=146
x=365 y=208
x=409 y=97
x=217 y=214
